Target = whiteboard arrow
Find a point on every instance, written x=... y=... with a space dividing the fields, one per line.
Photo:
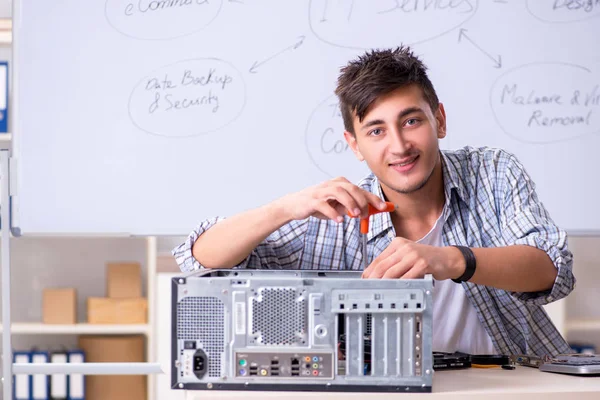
x=292 y=47
x=463 y=33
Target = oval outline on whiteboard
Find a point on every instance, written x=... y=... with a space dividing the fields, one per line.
x=559 y=22
x=243 y=106
x=310 y=118
x=534 y=64
x=312 y=29
x=195 y=30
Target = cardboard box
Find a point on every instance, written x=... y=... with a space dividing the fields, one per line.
x=102 y=310
x=124 y=280
x=114 y=349
x=59 y=306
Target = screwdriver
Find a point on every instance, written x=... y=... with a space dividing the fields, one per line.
x=364 y=227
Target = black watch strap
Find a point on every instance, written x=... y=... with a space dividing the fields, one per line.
x=470 y=262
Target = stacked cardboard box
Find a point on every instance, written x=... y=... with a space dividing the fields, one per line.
x=124 y=304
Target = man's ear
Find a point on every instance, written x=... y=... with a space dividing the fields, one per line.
x=440 y=117
x=351 y=140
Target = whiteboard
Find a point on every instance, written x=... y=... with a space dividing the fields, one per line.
x=143 y=117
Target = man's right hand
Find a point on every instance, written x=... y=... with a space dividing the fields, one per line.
x=330 y=200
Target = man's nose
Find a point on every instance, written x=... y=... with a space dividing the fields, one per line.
x=398 y=142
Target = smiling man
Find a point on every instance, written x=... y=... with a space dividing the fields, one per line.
x=469 y=217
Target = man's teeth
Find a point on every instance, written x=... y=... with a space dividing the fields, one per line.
x=406 y=163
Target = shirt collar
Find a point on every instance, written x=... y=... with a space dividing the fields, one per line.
x=452 y=177
x=382 y=222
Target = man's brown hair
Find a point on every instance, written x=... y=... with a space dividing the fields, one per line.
x=376 y=73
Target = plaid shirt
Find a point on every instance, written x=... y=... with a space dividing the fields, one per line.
x=490 y=202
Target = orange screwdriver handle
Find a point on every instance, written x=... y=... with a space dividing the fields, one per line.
x=389 y=207
x=364 y=222
x=364 y=225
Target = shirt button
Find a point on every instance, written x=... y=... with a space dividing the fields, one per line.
x=550 y=298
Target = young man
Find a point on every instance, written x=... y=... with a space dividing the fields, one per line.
x=470 y=217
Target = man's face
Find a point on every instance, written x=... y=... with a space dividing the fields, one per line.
x=398 y=139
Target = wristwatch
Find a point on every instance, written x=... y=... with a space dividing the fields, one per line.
x=470 y=262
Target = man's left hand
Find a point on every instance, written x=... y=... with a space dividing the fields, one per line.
x=409 y=260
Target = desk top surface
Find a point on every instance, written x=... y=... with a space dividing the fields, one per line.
x=493 y=383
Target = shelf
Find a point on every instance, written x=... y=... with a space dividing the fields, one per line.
x=102 y=368
x=583 y=325
x=78 y=329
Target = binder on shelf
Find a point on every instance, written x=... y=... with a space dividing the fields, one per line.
x=58 y=382
x=22 y=383
x=40 y=388
x=3 y=97
x=76 y=385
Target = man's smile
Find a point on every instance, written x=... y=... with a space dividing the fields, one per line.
x=405 y=164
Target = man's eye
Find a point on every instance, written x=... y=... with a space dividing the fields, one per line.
x=375 y=132
x=412 y=121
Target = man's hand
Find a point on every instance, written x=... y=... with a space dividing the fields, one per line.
x=410 y=260
x=329 y=200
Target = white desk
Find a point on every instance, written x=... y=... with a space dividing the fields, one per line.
x=473 y=383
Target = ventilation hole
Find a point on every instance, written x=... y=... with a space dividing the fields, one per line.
x=278 y=316
x=202 y=319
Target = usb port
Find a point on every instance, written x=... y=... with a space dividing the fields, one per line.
x=274 y=362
